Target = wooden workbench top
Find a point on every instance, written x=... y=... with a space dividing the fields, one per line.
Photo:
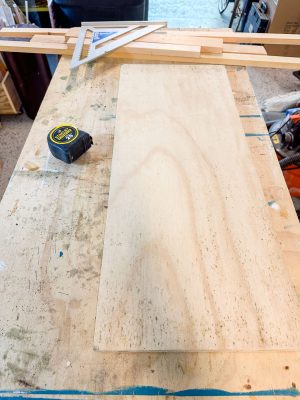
x=52 y=220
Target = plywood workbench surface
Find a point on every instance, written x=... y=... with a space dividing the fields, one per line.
x=52 y=220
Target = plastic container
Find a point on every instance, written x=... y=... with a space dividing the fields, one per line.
x=70 y=13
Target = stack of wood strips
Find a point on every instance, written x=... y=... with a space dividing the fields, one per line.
x=191 y=46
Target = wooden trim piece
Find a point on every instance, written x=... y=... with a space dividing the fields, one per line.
x=74 y=32
x=243 y=49
x=155 y=49
x=162 y=49
x=248 y=60
x=208 y=45
x=227 y=36
x=241 y=37
x=254 y=60
x=29 y=32
x=48 y=39
x=34 y=47
x=116 y=24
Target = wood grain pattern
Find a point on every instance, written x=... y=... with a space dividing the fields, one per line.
x=186 y=265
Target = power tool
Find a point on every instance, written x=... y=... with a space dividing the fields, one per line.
x=285 y=136
x=67 y=143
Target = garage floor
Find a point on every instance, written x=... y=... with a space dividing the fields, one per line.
x=188 y=13
x=178 y=13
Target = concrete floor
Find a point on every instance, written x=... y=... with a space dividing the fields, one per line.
x=188 y=13
x=178 y=13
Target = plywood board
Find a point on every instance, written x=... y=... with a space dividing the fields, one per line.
x=190 y=262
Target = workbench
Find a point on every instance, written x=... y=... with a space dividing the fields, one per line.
x=52 y=220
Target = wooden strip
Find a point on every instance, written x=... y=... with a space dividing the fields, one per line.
x=48 y=38
x=29 y=32
x=258 y=60
x=185 y=265
x=155 y=49
x=162 y=49
x=222 y=59
x=34 y=47
x=116 y=24
x=243 y=49
x=74 y=32
x=242 y=37
x=208 y=45
x=248 y=60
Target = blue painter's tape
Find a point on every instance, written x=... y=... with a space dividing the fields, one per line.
x=35 y=398
x=139 y=391
x=150 y=391
x=292 y=392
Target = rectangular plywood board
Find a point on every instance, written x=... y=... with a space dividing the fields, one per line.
x=190 y=262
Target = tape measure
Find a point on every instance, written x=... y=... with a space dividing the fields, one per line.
x=67 y=143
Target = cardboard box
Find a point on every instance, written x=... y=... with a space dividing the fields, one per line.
x=286 y=19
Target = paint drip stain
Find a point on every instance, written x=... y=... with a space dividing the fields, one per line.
x=273 y=204
x=158 y=391
x=2 y=265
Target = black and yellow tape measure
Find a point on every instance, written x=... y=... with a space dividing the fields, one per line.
x=67 y=143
